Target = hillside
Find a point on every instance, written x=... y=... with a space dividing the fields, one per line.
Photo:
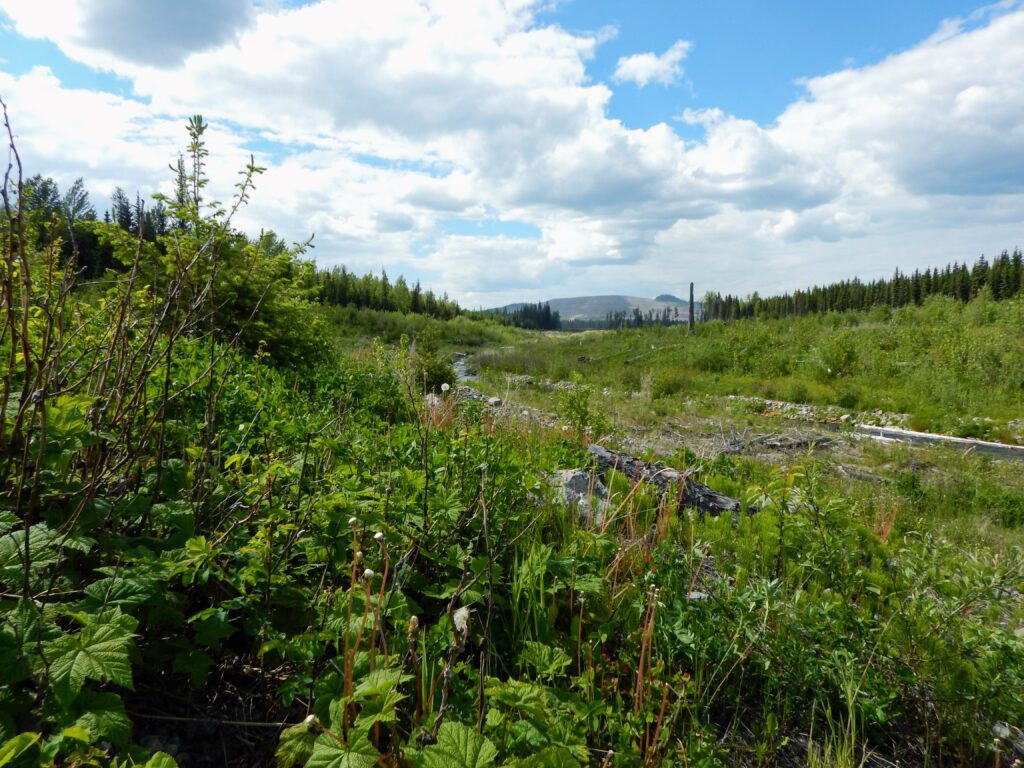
x=598 y=307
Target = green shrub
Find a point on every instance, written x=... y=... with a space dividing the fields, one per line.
x=669 y=382
x=431 y=367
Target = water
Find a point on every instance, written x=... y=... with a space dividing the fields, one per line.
x=463 y=372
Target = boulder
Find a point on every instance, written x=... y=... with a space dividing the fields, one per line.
x=582 y=491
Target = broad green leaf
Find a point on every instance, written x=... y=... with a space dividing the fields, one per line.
x=515 y=694
x=296 y=744
x=42 y=549
x=380 y=709
x=545 y=660
x=17 y=746
x=98 y=652
x=459 y=747
x=161 y=760
x=76 y=732
x=380 y=681
x=124 y=591
x=102 y=712
x=328 y=752
x=8 y=521
x=196 y=664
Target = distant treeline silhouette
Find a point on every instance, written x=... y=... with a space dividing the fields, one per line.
x=1002 y=276
x=536 y=317
x=338 y=287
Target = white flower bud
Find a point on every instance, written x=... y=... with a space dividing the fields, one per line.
x=367 y=575
x=353 y=522
x=461 y=620
x=378 y=537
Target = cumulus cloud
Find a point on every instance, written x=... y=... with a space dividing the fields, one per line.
x=643 y=68
x=374 y=127
x=109 y=33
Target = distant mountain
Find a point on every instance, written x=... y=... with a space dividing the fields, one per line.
x=598 y=307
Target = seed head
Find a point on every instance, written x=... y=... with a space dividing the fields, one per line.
x=352 y=521
x=461 y=620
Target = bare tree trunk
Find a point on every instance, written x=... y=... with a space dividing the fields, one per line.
x=690 y=330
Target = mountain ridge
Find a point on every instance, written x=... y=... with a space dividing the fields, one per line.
x=597 y=307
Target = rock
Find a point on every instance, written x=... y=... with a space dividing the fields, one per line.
x=846 y=418
x=494 y=402
x=582 y=491
x=1011 y=736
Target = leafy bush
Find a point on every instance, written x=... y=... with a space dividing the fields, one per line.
x=431 y=368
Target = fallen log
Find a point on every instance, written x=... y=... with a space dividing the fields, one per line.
x=692 y=494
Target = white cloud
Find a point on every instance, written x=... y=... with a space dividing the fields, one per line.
x=374 y=127
x=643 y=68
x=109 y=34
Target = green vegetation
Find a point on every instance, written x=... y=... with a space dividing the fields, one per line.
x=953 y=367
x=222 y=538
x=1003 y=279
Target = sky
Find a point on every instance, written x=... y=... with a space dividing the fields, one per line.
x=520 y=150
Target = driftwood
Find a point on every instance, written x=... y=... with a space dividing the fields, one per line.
x=691 y=493
x=788 y=441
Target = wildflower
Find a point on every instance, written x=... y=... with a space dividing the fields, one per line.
x=353 y=522
x=445 y=387
x=414 y=626
x=359 y=555
x=378 y=537
x=367 y=575
x=461 y=620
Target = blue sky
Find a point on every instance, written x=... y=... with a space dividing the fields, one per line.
x=748 y=57
x=522 y=150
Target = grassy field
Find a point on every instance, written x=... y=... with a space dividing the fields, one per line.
x=952 y=367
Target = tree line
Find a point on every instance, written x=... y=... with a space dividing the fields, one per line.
x=541 y=317
x=535 y=317
x=70 y=220
x=340 y=288
x=1003 y=277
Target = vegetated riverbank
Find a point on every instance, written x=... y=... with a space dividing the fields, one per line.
x=223 y=542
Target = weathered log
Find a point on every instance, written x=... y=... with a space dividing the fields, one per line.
x=691 y=493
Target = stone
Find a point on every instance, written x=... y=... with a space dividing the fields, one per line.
x=1011 y=736
x=582 y=491
x=494 y=402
